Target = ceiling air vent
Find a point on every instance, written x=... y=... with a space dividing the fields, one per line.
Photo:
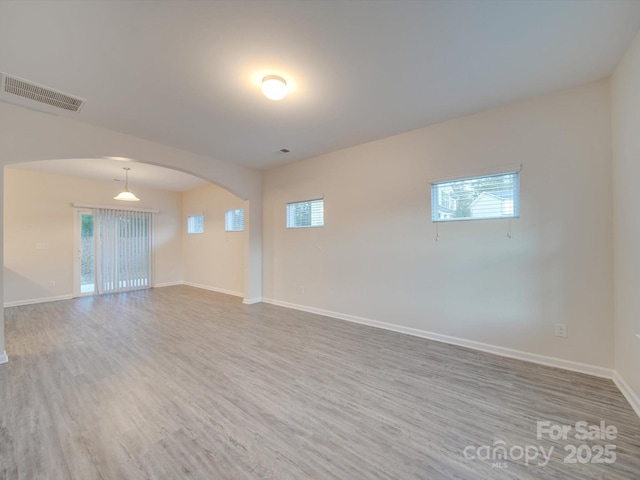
x=12 y=87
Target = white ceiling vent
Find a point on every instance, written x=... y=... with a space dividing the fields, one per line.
x=17 y=90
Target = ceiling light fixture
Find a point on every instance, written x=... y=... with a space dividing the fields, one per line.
x=125 y=194
x=274 y=87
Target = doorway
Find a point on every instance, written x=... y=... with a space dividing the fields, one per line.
x=85 y=265
x=113 y=250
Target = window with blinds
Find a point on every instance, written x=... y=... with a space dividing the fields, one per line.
x=234 y=220
x=195 y=224
x=309 y=213
x=490 y=196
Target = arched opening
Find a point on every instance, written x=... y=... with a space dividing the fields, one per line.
x=26 y=136
x=52 y=250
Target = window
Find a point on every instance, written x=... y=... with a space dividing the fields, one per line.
x=309 y=213
x=234 y=220
x=491 y=196
x=195 y=224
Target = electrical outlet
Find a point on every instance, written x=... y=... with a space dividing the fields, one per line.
x=301 y=288
x=561 y=329
x=42 y=246
x=52 y=283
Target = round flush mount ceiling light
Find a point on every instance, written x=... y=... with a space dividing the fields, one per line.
x=274 y=87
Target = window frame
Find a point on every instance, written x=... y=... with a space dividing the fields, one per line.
x=227 y=224
x=436 y=194
x=189 y=225
x=299 y=202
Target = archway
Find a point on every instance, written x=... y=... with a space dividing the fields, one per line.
x=26 y=136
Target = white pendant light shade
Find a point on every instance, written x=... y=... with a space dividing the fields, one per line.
x=274 y=87
x=125 y=195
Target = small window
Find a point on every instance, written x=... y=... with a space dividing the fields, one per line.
x=491 y=196
x=234 y=220
x=195 y=224
x=309 y=213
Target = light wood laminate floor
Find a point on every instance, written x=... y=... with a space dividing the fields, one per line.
x=178 y=383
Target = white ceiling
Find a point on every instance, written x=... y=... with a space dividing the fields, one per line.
x=140 y=175
x=186 y=73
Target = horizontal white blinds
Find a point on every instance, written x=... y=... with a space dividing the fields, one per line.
x=124 y=246
x=195 y=224
x=491 y=196
x=309 y=213
x=234 y=220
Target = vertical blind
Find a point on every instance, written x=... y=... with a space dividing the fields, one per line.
x=124 y=249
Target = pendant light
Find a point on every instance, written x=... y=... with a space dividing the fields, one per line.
x=125 y=194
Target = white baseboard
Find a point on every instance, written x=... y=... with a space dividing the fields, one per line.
x=251 y=301
x=37 y=300
x=168 y=284
x=214 y=289
x=483 y=347
x=4 y=358
x=629 y=394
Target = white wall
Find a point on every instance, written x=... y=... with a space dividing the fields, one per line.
x=376 y=256
x=625 y=94
x=38 y=209
x=213 y=259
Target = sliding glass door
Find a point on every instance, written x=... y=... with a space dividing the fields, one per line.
x=114 y=250
x=124 y=250
x=85 y=269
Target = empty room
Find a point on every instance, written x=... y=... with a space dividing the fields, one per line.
x=310 y=239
